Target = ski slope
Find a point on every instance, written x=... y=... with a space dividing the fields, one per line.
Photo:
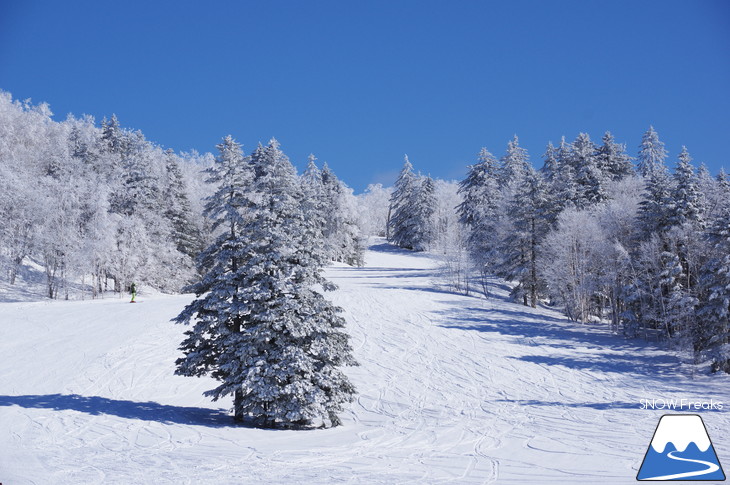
x=451 y=389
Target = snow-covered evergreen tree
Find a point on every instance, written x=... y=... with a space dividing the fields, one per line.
x=651 y=153
x=564 y=186
x=113 y=137
x=479 y=209
x=401 y=224
x=314 y=207
x=686 y=207
x=712 y=337
x=589 y=178
x=342 y=240
x=261 y=327
x=515 y=163
x=656 y=206
x=612 y=159
x=520 y=246
x=550 y=167
x=424 y=210
x=178 y=209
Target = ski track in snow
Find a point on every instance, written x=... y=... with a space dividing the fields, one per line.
x=451 y=389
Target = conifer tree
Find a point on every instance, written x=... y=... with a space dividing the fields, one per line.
x=424 y=208
x=686 y=197
x=588 y=176
x=401 y=225
x=564 y=185
x=520 y=248
x=612 y=159
x=550 y=172
x=550 y=168
x=314 y=206
x=651 y=153
x=515 y=162
x=262 y=329
x=113 y=137
x=341 y=234
x=712 y=337
x=480 y=207
x=655 y=206
x=185 y=234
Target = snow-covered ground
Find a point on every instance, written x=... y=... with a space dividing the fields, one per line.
x=450 y=389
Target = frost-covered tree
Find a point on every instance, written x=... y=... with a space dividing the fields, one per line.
x=401 y=223
x=479 y=209
x=515 y=162
x=412 y=205
x=178 y=209
x=562 y=185
x=424 y=210
x=712 y=337
x=261 y=327
x=612 y=159
x=314 y=206
x=374 y=204
x=342 y=240
x=656 y=205
x=651 y=153
x=450 y=242
x=518 y=260
x=86 y=201
x=589 y=178
x=686 y=207
x=329 y=207
x=569 y=262
x=113 y=137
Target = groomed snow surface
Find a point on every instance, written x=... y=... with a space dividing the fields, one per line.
x=452 y=389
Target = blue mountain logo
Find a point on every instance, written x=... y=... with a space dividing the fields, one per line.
x=681 y=450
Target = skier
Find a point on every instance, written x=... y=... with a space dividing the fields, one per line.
x=133 y=290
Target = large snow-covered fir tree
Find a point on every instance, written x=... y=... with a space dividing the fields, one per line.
x=261 y=327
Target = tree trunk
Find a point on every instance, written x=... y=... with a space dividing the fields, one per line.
x=238 y=405
x=387 y=223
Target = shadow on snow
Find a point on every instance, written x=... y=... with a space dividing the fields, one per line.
x=145 y=411
x=600 y=350
x=590 y=405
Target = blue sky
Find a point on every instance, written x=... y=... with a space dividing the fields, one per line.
x=362 y=83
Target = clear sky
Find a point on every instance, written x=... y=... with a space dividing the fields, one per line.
x=360 y=83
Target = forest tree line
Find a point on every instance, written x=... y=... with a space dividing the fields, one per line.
x=634 y=245
x=98 y=207
x=602 y=235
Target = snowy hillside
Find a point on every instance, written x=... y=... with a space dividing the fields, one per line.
x=450 y=389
